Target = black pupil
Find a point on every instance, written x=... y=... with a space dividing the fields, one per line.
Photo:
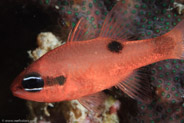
x=33 y=83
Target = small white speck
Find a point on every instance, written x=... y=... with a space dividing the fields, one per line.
x=57 y=7
x=50 y=104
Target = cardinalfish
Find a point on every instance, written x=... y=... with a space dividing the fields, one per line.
x=85 y=66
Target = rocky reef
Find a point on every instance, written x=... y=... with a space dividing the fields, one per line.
x=154 y=18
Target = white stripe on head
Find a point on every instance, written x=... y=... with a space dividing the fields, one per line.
x=32 y=77
x=33 y=89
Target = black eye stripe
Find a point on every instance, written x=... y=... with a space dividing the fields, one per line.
x=115 y=46
x=57 y=80
x=61 y=80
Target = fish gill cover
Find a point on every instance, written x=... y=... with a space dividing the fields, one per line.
x=154 y=18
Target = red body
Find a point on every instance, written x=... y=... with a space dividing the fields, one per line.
x=89 y=66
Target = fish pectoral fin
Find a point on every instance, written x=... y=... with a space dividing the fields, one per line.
x=94 y=102
x=137 y=85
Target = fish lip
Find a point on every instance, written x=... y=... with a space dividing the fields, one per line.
x=15 y=87
x=16 y=84
x=16 y=91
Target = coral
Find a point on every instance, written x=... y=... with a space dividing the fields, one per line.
x=71 y=11
x=46 y=42
x=154 y=17
x=179 y=7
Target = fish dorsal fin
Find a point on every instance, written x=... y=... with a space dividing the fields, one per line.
x=83 y=30
x=94 y=102
x=137 y=85
x=118 y=23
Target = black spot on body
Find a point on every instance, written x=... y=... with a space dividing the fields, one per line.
x=49 y=81
x=115 y=46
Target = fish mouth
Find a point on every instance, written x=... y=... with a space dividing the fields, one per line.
x=16 y=85
x=18 y=91
x=15 y=89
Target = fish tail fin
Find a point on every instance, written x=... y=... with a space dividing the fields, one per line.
x=181 y=55
x=178 y=35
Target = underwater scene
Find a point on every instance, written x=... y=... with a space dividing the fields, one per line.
x=92 y=61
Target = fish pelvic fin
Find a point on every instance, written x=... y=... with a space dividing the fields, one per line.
x=94 y=103
x=138 y=86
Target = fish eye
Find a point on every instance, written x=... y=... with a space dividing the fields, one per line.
x=32 y=82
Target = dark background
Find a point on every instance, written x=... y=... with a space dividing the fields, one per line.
x=20 y=23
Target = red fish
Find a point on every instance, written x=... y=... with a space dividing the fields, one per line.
x=85 y=65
